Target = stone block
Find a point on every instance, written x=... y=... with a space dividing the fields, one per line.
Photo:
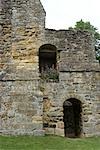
x=39 y=133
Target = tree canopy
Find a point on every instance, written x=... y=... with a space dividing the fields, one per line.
x=87 y=27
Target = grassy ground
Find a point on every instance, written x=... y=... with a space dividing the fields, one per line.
x=48 y=143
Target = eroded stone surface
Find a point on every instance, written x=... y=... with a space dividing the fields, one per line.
x=26 y=103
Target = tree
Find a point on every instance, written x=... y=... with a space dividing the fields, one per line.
x=86 y=26
x=97 y=48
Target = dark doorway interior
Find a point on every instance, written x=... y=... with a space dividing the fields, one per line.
x=72 y=118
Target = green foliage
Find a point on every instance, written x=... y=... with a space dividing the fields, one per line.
x=87 y=27
x=98 y=58
x=97 y=48
x=48 y=143
x=50 y=74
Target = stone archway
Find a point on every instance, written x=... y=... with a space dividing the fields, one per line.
x=72 y=118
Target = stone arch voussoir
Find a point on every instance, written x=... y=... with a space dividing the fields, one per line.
x=73 y=96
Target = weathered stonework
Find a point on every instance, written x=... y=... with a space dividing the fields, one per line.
x=29 y=105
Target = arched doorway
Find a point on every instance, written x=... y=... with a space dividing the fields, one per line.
x=72 y=118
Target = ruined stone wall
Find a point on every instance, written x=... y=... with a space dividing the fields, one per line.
x=76 y=45
x=79 y=78
x=21 y=30
x=26 y=103
x=83 y=86
x=5 y=51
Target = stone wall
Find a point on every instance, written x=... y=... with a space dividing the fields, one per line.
x=21 y=25
x=26 y=103
x=79 y=78
x=83 y=86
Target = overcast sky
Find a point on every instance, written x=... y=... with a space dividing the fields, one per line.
x=61 y=14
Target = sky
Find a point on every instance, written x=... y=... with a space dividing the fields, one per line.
x=61 y=14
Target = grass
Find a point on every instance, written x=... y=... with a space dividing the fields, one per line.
x=48 y=143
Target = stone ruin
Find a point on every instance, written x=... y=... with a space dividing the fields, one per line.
x=49 y=79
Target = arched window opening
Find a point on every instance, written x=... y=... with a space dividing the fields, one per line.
x=48 y=62
x=72 y=118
